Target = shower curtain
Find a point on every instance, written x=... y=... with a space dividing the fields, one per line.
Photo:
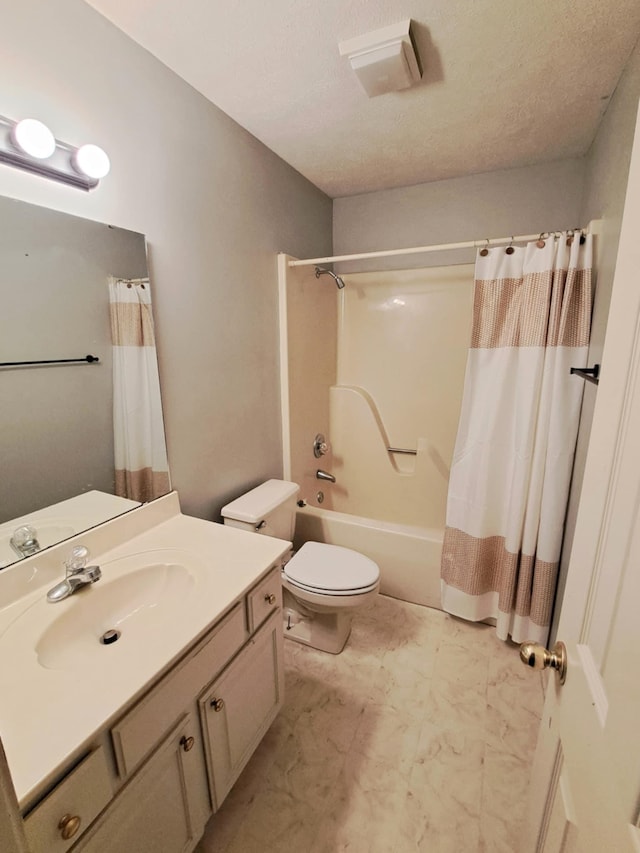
x=141 y=467
x=514 y=451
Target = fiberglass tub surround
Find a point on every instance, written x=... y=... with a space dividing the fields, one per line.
x=378 y=368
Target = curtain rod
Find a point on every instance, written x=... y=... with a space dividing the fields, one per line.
x=468 y=244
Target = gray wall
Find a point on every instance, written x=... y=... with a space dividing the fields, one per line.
x=216 y=206
x=606 y=175
x=57 y=420
x=513 y=201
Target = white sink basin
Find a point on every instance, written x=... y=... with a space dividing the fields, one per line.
x=134 y=605
x=145 y=598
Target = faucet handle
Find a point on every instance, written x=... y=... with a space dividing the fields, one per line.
x=78 y=559
x=24 y=540
x=320 y=446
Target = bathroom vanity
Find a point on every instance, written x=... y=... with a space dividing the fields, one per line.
x=132 y=743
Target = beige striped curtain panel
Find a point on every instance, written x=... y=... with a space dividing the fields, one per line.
x=513 y=458
x=141 y=467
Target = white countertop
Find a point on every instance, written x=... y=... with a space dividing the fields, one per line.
x=47 y=715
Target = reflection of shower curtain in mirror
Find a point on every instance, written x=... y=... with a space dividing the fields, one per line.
x=141 y=468
x=513 y=459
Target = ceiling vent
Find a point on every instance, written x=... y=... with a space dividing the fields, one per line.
x=384 y=60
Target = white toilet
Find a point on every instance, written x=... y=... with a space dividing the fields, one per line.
x=322 y=584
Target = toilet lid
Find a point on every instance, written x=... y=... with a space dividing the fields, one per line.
x=322 y=567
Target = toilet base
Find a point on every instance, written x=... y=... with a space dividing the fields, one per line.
x=327 y=632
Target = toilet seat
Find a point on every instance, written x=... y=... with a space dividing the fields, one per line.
x=331 y=592
x=331 y=570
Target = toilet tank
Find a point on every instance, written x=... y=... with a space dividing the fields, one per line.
x=270 y=509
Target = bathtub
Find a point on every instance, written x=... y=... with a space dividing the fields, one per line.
x=409 y=557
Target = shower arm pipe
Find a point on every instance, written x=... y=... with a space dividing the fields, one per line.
x=416 y=250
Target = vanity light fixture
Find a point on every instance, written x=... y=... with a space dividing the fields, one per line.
x=30 y=145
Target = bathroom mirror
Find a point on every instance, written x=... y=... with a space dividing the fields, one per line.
x=56 y=420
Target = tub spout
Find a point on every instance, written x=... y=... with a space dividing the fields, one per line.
x=324 y=475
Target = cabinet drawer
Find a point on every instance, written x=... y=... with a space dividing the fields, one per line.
x=81 y=796
x=142 y=728
x=263 y=599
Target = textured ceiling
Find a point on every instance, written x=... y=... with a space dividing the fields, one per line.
x=505 y=83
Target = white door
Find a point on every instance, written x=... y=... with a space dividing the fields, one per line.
x=585 y=789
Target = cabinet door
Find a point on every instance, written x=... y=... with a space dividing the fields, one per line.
x=164 y=807
x=240 y=706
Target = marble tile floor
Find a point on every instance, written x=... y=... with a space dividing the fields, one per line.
x=418 y=737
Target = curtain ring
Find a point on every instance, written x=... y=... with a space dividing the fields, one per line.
x=540 y=242
x=570 y=235
x=484 y=252
x=510 y=250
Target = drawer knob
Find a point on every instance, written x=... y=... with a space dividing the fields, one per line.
x=270 y=598
x=186 y=743
x=217 y=704
x=69 y=825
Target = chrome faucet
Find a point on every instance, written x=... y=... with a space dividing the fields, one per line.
x=77 y=575
x=24 y=541
x=324 y=475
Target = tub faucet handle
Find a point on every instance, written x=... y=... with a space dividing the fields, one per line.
x=320 y=446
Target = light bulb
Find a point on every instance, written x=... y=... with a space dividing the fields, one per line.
x=34 y=138
x=91 y=161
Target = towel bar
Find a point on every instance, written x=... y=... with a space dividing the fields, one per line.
x=591 y=374
x=90 y=359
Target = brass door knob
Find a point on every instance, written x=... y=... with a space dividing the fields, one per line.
x=537 y=657
x=270 y=598
x=217 y=704
x=186 y=743
x=69 y=825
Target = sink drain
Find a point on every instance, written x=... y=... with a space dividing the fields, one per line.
x=110 y=636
